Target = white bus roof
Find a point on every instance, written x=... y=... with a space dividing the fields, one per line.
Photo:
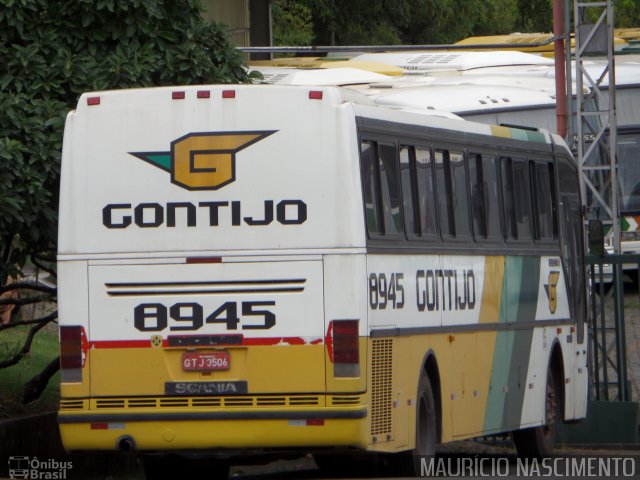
x=318 y=76
x=419 y=62
x=461 y=98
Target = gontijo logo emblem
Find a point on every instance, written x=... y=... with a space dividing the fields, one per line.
x=205 y=160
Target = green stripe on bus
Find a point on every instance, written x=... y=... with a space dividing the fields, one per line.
x=524 y=293
x=517 y=382
x=513 y=348
x=499 y=378
x=529 y=282
x=518 y=134
x=536 y=137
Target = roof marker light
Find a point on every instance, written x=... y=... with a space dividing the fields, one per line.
x=228 y=94
x=93 y=101
x=204 y=94
x=177 y=95
x=192 y=260
x=315 y=95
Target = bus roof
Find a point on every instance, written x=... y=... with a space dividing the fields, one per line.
x=419 y=62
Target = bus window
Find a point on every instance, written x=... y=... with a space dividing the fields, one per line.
x=544 y=201
x=390 y=189
x=443 y=181
x=408 y=176
x=426 y=192
x=516 y=193
x=485 y=202
x=453 y=204
x=628 y=147
x=370 y=186
x=460 y=194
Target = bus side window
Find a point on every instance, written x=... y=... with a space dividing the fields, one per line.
x=426 y=192
x=485 y=201
x=516 y=198
x=443 y=183
x=544 y=201
x=418 y=193
x=409 y=190
x=390 y=188
x=453 y=201
x=460 y=194
x=370 y=187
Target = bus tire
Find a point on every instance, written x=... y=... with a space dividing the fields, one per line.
x=539 y=442
x=409 y=463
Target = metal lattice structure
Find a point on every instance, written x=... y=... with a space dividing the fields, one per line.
x=595 y=125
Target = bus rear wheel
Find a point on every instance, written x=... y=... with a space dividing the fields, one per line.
x=409 y=463
x=539 y=442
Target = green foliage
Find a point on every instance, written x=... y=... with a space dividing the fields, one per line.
x=387 y=22
x=50 y=53
x=292 y=23
x=378 y=22
x=627 y=13
x=534 y=16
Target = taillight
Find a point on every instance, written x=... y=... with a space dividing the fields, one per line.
x=71 y=354
x=346 y=351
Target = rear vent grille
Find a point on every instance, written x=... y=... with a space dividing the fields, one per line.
x=142 y=403
x=238 y=402
x=174 y=402
x=206 y=402
x=307 y=401
x=235 y=401
x=72 y=404
x=345 y=400
x=280 y=401
x=110 y=403
x=381 y=390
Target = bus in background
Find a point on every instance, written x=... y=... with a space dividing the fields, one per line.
x=259 y=269
x=515 y=88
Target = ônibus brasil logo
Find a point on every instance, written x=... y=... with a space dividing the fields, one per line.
x=205 y=160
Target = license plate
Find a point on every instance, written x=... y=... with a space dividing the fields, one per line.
x=206 y=361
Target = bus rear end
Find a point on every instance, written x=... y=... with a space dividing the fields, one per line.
x=200 y=230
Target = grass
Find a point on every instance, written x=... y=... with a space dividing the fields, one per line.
x=44 y=348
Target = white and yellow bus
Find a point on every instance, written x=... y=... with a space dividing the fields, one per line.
x=259 y=268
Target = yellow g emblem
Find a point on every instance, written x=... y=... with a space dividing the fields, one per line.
x=203 y=161
x=552 y=290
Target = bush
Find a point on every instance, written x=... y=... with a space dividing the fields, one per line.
x=50 y=53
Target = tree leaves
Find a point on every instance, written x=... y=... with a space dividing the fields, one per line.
x=50 y=53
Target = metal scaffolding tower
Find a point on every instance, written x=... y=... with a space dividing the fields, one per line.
x=596 y=114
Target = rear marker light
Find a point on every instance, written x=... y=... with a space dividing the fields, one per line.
x=228 y=94
x=71 y=354
x=93 y=101
x=346 y=351
x=177 y=95
x=315 y=94
x=315 y=422
x=204 y=94
x=191 y=260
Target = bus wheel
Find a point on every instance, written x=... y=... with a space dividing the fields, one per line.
x=539 y=442
x=409 y=463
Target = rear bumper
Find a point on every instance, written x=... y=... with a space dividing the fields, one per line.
x=150 y=431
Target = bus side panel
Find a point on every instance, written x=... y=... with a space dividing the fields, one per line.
x=346 y=301
x=73 y=310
